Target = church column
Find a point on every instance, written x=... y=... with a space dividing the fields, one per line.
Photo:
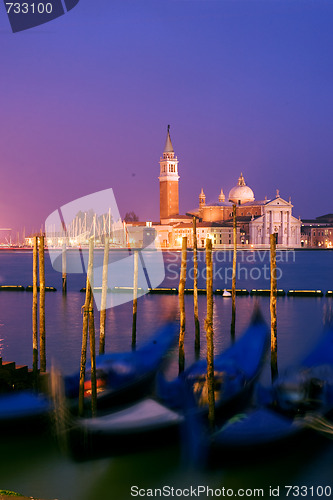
x=288 y=228
x=265 y=227
x=282 y=228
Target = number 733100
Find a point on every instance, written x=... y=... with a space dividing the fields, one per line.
x=29 y=8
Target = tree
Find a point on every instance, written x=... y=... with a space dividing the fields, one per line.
x=131 y=217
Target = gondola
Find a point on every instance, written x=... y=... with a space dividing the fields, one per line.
x=126 y=376
x=235 y=372
x=24 y=410
x=297 y=405
x=121 y=377
x=144 y=425
x=150 y=422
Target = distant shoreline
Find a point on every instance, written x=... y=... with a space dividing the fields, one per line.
x=228 y=249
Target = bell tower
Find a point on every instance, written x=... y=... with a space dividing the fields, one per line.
x=169 y=197
x=202 y=198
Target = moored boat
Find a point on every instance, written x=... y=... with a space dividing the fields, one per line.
x=149 y=423
x=121 y=377
x=295 y=407
x=24 y=410
x=144 y=425
x=126 y=376
x=235 y=372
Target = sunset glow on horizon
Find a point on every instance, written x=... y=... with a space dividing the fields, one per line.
x=86 y=100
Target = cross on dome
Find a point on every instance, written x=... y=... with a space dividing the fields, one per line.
x=241 y=193
x=241 y=181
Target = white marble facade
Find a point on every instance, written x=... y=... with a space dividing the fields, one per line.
x=276 y=218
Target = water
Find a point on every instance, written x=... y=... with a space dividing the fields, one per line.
x=34 y=466
x=302 y=269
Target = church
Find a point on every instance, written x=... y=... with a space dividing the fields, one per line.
x=256 y=220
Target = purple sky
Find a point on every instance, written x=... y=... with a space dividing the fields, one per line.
x=245 y=85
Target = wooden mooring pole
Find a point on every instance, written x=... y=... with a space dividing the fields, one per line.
x=64 y=269
x=34 y=307
x=210 y=334
x=86 y=310
x=42 y=305
x=92 y=330
x=92 y=357
x=181 y=291
x=234 y=263
x=273 y=295
x=104 y=294
x=135 y=297
x=195 y=289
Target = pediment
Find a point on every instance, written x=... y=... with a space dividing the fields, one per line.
x=279 y=202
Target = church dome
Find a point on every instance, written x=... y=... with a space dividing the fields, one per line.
x=241 y=193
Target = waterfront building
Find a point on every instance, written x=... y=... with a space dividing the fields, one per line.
x=317 y=232
x=220 y=234
x=256 y=219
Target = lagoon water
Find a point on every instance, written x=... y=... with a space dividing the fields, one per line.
x=35 y=466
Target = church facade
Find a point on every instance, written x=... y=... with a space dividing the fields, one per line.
x=276 y=218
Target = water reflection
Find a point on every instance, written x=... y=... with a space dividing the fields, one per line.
x=34 y=465
x=299 y=324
